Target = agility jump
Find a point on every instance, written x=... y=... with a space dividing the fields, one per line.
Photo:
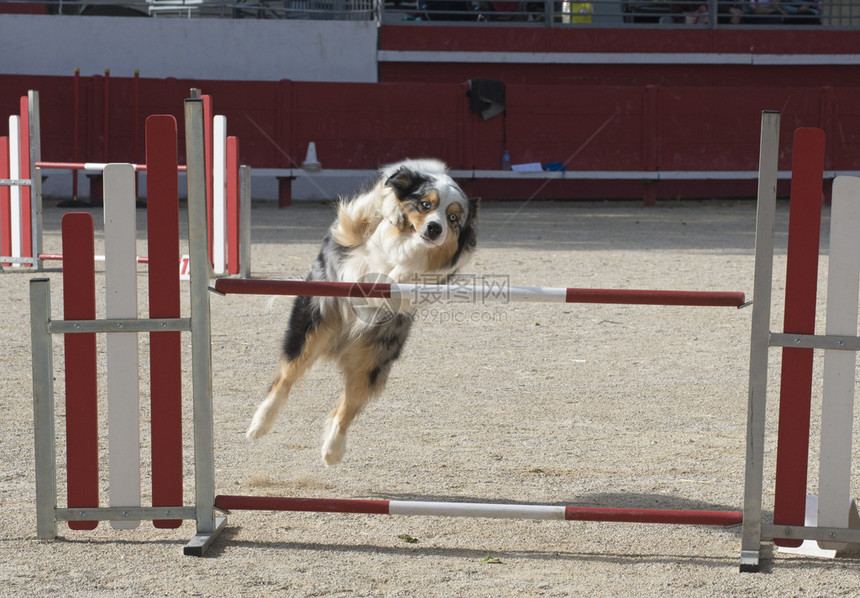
x=20 y=194
x=796 y=521
x=85 y=508
x=478 y=293
x=228 y=192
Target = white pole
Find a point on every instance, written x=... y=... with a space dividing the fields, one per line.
x=487 y=291
x=496 y=511
x=121 y=348
x=219 y=194
x=15 y=190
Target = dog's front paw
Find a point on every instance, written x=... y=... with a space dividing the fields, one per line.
x=259 y=427
x=334 y=444
x=333 y=450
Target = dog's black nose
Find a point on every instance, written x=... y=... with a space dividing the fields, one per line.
x=434 y=229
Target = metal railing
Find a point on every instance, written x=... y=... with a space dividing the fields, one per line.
x=836 y=14
x=340 y=10
x=621 y=13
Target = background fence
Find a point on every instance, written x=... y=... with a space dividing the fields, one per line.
x=596 y=13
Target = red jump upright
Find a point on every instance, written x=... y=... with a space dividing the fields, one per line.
x=801 y=286
x=165 y=347
x=79 y=303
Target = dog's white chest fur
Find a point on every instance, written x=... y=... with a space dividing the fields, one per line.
x=402 y=258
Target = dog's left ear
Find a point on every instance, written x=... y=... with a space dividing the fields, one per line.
x=404 y=182
x=474 y=204
x=471 y=228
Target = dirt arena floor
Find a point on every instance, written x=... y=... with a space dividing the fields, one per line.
x=585 y=405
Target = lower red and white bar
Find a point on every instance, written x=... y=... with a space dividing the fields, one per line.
x=486 y=510
x=493 y=292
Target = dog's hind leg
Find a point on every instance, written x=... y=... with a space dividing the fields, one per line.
x=365 y=376
x=290 y=370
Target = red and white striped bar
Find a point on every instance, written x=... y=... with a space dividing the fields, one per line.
x=58 y=257
x=490 y=292
x=91 y=166
x=487 y=510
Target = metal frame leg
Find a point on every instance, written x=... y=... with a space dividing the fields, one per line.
x=245 y=221
x=35 y=175
x=43 y=409
x=201 y=348
x=759 y=342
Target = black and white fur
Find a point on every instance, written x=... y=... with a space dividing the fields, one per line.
x=414 y=225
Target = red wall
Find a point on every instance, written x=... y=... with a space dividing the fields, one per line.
x=571 y=39
x=29 y=8
x=680 y=43
x=591 y=127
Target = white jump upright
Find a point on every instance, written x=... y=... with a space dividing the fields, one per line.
x=835 y=504
x=121 y=348
x=219 y=189
x=15 y=173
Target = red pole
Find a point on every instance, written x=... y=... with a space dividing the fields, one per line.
x=301 y=287
x=26 y=173
x=318 y=505
x=649 y=297
x=232 y=205
x=653 y=516
x=208 y=160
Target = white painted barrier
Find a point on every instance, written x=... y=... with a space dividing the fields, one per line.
x=121 y=348
x=837 y=410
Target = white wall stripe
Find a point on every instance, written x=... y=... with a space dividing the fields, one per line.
x=122 y=358
x=617 y=58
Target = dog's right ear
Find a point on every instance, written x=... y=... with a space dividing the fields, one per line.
x=404 y=182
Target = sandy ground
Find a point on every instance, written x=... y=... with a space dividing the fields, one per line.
x=616 y=406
